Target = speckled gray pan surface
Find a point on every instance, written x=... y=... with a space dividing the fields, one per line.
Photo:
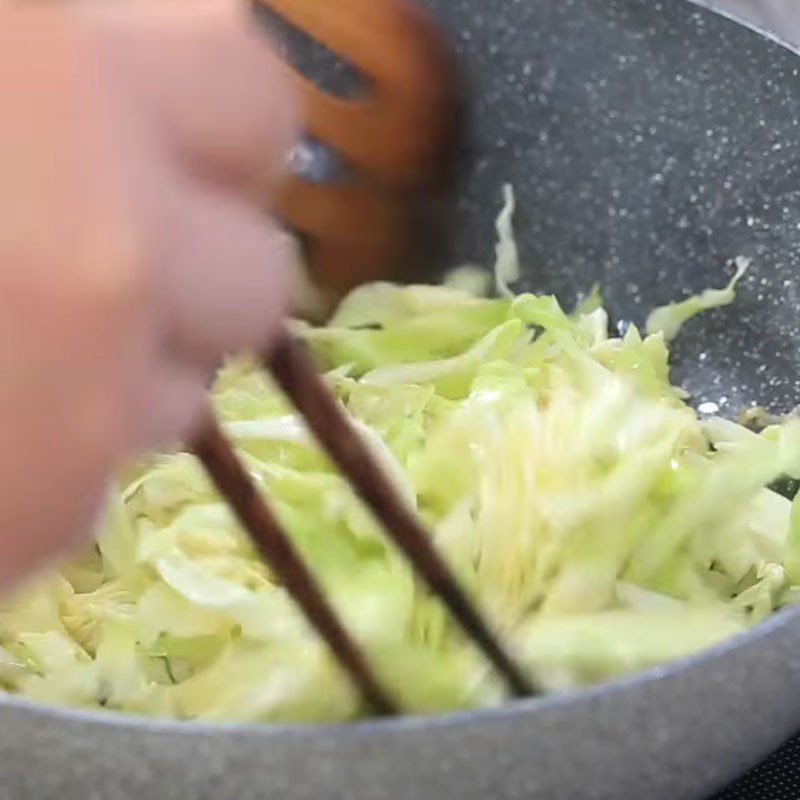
x=650 y=143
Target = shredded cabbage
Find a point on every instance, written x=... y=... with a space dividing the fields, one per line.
x=671 y=318
x=599 y=522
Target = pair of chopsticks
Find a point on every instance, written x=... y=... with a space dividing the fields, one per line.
x=294 y=371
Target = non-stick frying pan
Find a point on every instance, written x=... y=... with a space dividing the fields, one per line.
x=649 y=143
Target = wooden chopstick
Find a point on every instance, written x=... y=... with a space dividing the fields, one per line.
x=236 y=486
x=295 y=373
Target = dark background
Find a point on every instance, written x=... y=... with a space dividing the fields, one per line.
x=778 y=778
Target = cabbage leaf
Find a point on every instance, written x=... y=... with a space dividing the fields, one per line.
x=600 y=523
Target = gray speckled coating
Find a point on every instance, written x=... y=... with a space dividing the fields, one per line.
x=650 y=142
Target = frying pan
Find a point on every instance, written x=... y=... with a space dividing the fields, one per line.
x=649 y=144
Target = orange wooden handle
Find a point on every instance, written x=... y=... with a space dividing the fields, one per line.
x=394 y=137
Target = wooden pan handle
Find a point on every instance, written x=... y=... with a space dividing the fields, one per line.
x=395 y=138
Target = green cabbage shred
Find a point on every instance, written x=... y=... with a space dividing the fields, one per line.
x=671 y=318
x=599 y=522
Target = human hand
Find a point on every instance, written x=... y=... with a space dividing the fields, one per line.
x=137 y=147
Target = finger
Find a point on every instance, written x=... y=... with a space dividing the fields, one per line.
x=225 y=270
x=212 y=82
x=176 y=402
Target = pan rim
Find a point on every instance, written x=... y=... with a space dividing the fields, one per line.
x=769 y=628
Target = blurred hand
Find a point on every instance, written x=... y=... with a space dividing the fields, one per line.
x=137 y=145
